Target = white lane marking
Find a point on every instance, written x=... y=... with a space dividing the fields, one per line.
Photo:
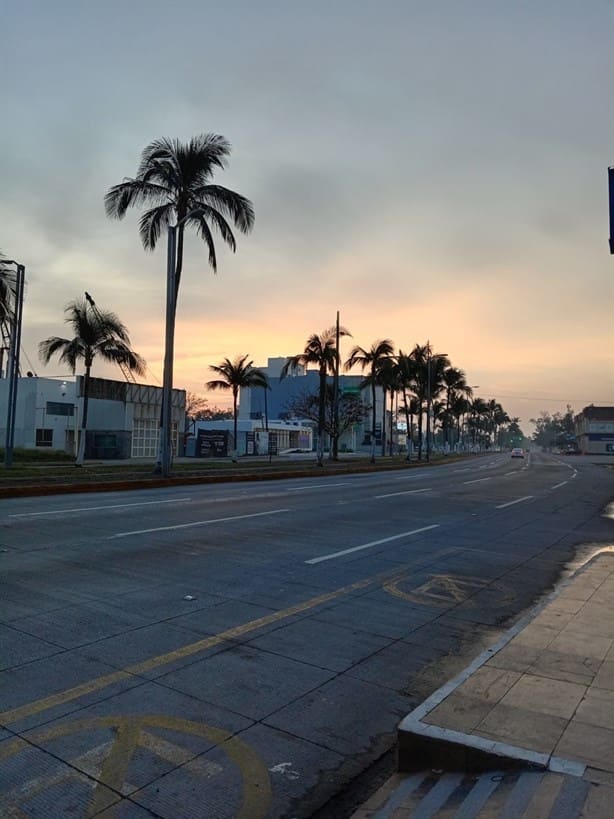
x=315 y=486
x=558 y=485
x=515 y=472
x=407 y=492
x=196 y=523
x=466 y=469
x=98 y=508
x=511 y=503
x=477 y=480
x=372 y=543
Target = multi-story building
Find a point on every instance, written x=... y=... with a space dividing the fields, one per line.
x=277 y=402
x=594 y=428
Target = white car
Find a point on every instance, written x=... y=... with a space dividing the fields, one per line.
x=517 y=452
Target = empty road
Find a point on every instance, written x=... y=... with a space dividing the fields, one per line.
x=247 y=650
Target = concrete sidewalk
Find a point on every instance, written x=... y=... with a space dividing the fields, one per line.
x=528 y=728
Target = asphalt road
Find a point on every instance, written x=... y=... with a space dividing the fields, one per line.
x=247 y=650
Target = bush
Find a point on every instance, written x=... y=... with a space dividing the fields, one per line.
x=21 y=455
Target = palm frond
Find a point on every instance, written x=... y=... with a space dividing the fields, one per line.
x=132 y=193
x=229 y=203
x=151 y=222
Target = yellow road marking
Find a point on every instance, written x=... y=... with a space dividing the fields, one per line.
x=256 y=785
x=440 y=590
x=98 y=683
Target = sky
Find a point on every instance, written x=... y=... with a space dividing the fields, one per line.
x=433 y=170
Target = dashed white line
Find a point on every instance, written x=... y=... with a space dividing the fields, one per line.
x=98 y=508
x=558 y=485
x=407 y=492
x=515 y=472
x=197 y=523
x=369 y=545
x=511 y=503
x=477 y=480
x=315 y=486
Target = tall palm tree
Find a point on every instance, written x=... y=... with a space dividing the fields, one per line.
x=174 y=180
x=320 y=350
x=372 y=360
x=232 y=376
x=96 y=333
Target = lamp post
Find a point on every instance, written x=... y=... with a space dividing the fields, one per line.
x=13 y=361
x=163 y=466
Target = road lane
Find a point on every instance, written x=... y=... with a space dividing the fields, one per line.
x=312 y=662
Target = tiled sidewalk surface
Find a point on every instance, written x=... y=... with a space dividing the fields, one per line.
x=542 y=697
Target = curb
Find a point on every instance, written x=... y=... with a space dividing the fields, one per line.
x=192 y=480
x=422 y=745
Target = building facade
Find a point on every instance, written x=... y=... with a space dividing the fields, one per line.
x=276 y=402
x=594 y=428
x=123 y=418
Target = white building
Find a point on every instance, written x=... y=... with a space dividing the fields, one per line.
x=123 y=419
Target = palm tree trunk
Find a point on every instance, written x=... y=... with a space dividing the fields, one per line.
x=373 y=418
x=86 y=390
x=234 y=430
x=407 y=424
x=384 y=394
x=392 y=394
x=321 y=417
x=420 y=432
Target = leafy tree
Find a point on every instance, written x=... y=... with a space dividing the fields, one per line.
x=95 y=333
x=372 y=360
x=197 y=409
x=351 y=410
x=554 y=430
x=233 y=375
x=320 y=350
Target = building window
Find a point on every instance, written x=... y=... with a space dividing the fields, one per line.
x=60 y=408
x=145 y=438
x=44 y=437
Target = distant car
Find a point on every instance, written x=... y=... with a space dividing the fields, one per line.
x=517 y=452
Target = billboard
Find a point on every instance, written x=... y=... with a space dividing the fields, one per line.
x=212 y=443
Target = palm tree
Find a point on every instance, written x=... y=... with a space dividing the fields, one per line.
x=372 y=360
x=174 y=179
x=232 y=376
x=320 y=350
x=96 y=333
x=455 y=384
x=406 y=373
x=390 y=382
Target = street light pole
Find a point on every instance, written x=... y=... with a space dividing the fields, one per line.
x=13 y=361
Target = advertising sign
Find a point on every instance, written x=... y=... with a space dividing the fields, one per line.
x=212 y=443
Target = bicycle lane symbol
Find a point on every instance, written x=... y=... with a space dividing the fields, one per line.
x=104 y=769
x=447 y=591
